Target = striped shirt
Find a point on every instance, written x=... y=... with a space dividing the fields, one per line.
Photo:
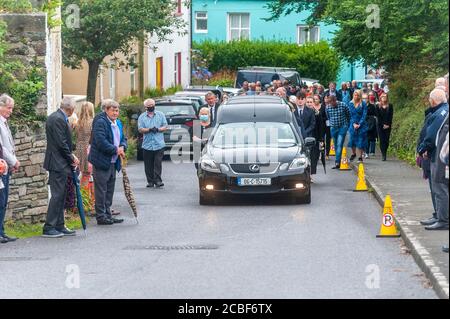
x=338 y=116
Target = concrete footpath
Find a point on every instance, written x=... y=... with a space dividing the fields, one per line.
x=411 y=202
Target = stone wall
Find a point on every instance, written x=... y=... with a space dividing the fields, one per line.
x=27 y=42
x=29 y=193
x=31 y=42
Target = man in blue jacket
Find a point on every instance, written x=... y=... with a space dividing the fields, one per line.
x=107 y=146
x=427 y=149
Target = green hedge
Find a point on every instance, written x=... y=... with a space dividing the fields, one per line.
x=409 y=95
x=313 y=60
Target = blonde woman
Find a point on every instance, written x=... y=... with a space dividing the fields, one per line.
x=358 y=126
x=200 y=136
x=83 y=133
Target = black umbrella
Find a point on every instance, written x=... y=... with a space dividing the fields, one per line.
x=80 y=207
x=322 y=157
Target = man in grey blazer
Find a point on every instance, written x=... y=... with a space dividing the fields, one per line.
x=59 y=162
x=9 y=155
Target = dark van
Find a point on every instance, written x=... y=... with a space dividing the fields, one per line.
x=266 y=75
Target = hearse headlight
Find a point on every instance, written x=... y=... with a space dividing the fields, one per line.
x=209 y=165
x=299 y=163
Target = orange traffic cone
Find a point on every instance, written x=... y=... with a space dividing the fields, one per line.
x=361 y=185
x=344 y=161
x=332 y=148
x=388 y=227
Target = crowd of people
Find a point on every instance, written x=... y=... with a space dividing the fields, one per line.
x=433 y=150
x=365 y=113
x=101 y=144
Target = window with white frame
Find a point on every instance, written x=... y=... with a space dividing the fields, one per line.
x=133 y=72
x=201 y=22
x=308 y=34
x=238 y=26
x=177 y=69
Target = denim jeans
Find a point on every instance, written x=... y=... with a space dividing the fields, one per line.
x=338 y=134
x=4 y=193
x=370 y=149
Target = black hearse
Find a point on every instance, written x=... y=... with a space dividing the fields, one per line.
x=255 y=149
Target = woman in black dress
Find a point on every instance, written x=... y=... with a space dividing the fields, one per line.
x=385 y=114
x=319 y=130
x=372 y=132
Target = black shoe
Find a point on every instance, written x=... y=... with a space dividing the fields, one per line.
x=429 y=221
x=445 y=249
x=3 y=240
x=337 y=166
x=437 y=226
x=159 y=185
x=352 y=157
x=384 y=158
x=150 y=185
x=360 y=160
x=67 y=232
x=117 y=220
x=52 y=233
x=103 y=222
x=9 y=239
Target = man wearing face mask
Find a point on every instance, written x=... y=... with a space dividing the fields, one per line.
x=152 y=124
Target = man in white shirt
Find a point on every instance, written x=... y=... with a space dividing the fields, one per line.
x=9 y=155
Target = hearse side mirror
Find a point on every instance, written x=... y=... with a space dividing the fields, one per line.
x=310 y=142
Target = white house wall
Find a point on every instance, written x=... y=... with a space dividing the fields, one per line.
x=167 y=51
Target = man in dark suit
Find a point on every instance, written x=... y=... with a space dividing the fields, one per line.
x=108 y=145
x=305 y=116
x=60 y=162
x=212 y=105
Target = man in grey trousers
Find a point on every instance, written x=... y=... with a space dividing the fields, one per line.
x=107 y=146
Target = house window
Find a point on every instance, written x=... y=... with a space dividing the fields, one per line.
x=177 y=69
x=308 y=34
x=112 y=81
x=201 y=22
x=238 y=26
x=133 y=73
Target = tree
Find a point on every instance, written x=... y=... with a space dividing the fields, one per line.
x=107 y=27
x=409 y=32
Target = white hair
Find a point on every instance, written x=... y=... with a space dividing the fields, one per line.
x=438 y=96
x=293 y=99
x=149 y=102
x=5 y=100
x=109 y=103
x=68 y=103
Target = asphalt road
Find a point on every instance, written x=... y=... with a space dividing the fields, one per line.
x=258 y=247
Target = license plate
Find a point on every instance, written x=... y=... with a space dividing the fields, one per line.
x=254 y=181
x=174 y=127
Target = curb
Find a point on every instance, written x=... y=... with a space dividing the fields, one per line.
x=420 y=254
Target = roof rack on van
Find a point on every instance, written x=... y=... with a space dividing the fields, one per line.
x=266 y=68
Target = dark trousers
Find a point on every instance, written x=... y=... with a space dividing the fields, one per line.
x=104 y=184
x=153 y=166
x=315 y=155
x=440 y=191
x=327 y=140
x=384 y=136
x=370 y=149
x=58 y=190
x=4 y=194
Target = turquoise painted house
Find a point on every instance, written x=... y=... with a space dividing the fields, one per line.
x=227 y=20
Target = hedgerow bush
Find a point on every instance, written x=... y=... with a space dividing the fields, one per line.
x=313 y=60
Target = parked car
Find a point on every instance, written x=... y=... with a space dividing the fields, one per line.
x=234 y=160
x=180 y=115
x=197 y=101
x=266 y=75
